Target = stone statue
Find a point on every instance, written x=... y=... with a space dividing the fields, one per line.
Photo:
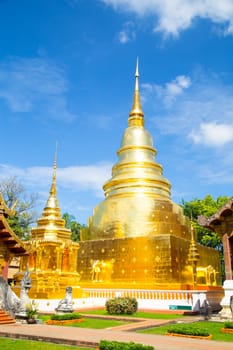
x=101 y=270
x=26 y=284
x=8 y=299
x=231 y=305
x=96 y=269
x=65 y=305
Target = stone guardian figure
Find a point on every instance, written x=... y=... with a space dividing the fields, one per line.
x=65 y=305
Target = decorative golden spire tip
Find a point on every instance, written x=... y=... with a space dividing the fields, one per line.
x=136 y=114
x=53 y=187
x=137 y=77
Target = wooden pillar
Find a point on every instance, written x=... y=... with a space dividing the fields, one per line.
x=5 y=269
x=227 y=256
x=231 y=251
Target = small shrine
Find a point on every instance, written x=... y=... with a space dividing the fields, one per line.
x=52 y=259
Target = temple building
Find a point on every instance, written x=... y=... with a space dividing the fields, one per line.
x=137 y=236
x=137 y=242
x=10 y=244
x=222 y=223
x=52 y=259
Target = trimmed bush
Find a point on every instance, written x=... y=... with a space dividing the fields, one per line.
x=69 y=316
x=120 y=306
x=115 y=345
x=188 y=330
x=228 y=325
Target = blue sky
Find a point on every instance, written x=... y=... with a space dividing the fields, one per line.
x=67 y=76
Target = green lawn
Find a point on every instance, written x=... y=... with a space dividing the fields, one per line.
x=213 y=328
x=96 y=323
x=152 y=315
x=91 y=323
x=16 y=344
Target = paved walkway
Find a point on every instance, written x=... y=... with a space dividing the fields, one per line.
x=91 y=337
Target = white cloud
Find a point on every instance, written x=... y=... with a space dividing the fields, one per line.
x=212 y=134
x=79 y=188
x=127 y=33
x=215 y=176
x=197 y=128
x=101 y=121
x=196 y=108
x=173 y=16
x=177 y=86
x=75 y=178
x=170 y=91
x=32 y=85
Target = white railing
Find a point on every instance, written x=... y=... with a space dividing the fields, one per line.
x=155 y=299
x=139 y=294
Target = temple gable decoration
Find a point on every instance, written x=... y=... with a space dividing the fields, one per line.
x=10 y=244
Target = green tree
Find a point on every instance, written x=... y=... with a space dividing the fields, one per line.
x=207 y=207
x=17 y=198
x=73 y=225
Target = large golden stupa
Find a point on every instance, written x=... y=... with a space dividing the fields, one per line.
x=52 y=259
x=137 y=237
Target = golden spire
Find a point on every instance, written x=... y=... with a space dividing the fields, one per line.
x=53 y=189
x=136 y=115
x=193 y=255
x=51 y=225
x=136 y=171
x=52 y=200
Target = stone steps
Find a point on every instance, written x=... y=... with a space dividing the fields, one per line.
x=5 y=318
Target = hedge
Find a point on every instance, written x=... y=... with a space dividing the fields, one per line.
x=115 y=345
x=69 y=316
x=228 y=325
x=188 y=330
x=120 y=305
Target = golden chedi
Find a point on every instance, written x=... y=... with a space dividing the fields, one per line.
x=137 y=235
x=52 y=261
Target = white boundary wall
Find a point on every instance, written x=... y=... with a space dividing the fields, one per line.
x=193 y=300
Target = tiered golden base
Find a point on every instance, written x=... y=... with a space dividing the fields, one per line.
x=145 y=262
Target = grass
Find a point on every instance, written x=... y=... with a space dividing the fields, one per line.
x=91 y=323
x=96 y=323
x=139 y=314
x=18 y=344
x=214 y=328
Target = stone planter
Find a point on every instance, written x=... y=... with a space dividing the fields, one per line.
x=190 y=336
x=227 y=330
x=31 y=320
x=62 y=322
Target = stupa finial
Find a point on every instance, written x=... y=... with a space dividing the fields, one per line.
x=53 y=189
x=136 y=115
x=137 y=77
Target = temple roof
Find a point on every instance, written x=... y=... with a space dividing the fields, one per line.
x=7 y=235
x=3 y=207
x=219 y=217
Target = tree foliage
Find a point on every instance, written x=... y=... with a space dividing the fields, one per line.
x=73 y=225
x=16 y=197
x=207 y=207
